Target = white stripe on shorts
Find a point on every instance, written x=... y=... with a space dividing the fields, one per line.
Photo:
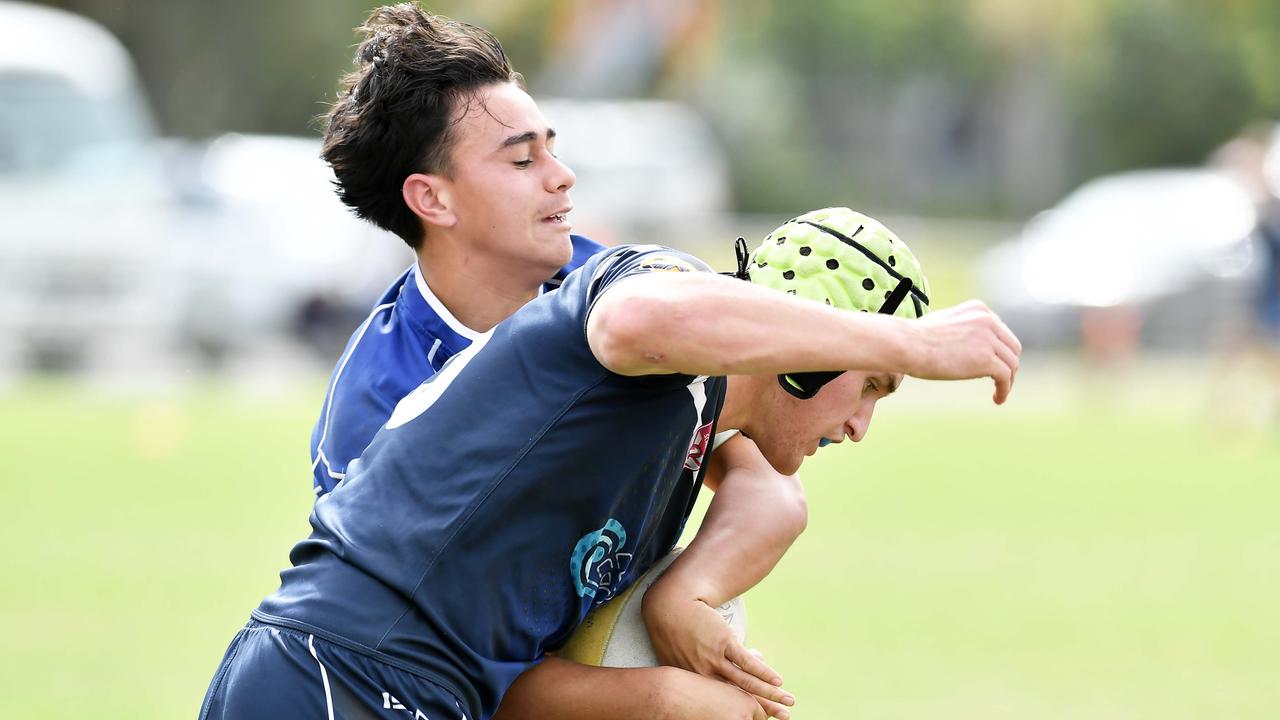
x=324 y=675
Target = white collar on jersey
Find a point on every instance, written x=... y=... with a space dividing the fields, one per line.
x=448 y=318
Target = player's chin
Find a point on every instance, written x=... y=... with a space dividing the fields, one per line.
x=785 y=460
x=558 y=238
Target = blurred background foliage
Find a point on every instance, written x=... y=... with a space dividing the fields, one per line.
x=990 y=108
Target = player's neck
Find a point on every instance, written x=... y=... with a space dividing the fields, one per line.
x=479 y=293
x=735 y=414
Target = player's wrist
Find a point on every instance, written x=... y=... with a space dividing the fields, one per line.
x=909 y=346
x=666 y=601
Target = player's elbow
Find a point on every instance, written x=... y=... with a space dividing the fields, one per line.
x=626 y=333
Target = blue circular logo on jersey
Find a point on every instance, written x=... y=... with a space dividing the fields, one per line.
x=598 y=562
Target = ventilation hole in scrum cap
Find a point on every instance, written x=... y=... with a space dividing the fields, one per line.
x=805 y=250
x=792 y=291
x=828 y=301
x=761 y=263
x=892 y=261
x=789 y=275
x=782 y=239
x=833 y=264
x=868 y=284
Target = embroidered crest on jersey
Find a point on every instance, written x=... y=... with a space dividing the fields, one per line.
x=698 y=448
x=598 y=563
x=666 y=263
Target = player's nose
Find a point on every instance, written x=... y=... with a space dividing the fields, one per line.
x=858 y=425
x=854 y=430
x=561 y=177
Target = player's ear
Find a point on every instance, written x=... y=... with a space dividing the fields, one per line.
x=427 y=195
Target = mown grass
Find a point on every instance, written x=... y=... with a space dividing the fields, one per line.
x=1061 y=562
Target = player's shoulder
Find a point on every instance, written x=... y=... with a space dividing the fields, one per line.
x=625 y=260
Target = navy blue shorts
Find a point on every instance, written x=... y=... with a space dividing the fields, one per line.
x=276 y=672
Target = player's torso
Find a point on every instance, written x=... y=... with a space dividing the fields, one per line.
x=408 y=336
x=519 y=487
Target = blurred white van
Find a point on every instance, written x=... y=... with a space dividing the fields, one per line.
x=118 y=247
x=87 y=229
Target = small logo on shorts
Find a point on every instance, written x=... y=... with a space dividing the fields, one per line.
x=389 y=702
x=598 y=563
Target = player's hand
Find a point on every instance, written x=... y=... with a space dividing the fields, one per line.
x=688 y=696
x=963 y=342
x=691 y=635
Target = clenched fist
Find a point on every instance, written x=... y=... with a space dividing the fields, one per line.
x=963 y=342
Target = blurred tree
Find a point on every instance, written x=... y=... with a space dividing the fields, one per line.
x=976 y=107
x=999 y=106
x=237 y=65
x=1169 y=86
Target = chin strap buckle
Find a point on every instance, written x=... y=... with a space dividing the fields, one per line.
x=744 y=260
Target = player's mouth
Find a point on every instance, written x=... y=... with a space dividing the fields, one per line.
x=825 y=441
x=559 y=218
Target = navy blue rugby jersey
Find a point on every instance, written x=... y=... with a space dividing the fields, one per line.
x=520 y=486
x=407 y=338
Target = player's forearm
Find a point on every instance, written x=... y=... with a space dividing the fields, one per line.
x=754 y=518
x=703 y=324
x=743 y=536
x=563 y=690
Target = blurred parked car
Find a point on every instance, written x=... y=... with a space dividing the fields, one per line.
x=1171 y=252
x=278 y=253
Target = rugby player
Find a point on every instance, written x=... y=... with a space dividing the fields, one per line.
x=449 y=563
x=433 y=139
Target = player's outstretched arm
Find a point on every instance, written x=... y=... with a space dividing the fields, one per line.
x=754 y=518
x=704 y=324
x=559 y=689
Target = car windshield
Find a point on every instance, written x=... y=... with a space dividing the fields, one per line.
x=47 y=123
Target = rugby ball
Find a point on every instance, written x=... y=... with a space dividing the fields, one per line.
x=614 y=634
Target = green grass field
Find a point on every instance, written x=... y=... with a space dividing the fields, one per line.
x=1052 y=560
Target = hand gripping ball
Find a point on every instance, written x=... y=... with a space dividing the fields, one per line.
x=614 y=634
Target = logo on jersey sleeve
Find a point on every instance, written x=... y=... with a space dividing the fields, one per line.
x=598 y=563
x=698 y=448
x=666 y=263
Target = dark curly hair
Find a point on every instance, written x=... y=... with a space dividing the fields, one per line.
x=395 y=113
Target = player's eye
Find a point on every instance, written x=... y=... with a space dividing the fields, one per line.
x=522 y=164
x=871 y=387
